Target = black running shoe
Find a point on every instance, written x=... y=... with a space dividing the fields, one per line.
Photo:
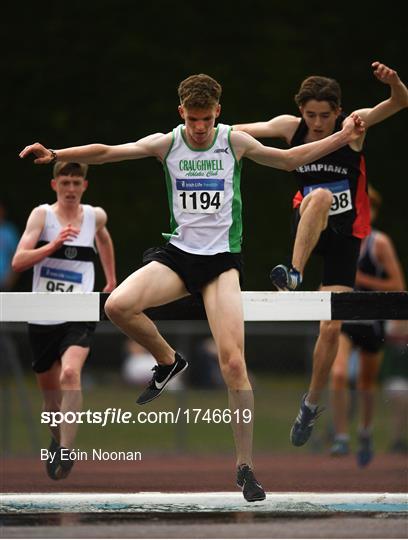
x=60 y=468
x=284 y=278
x=161 y=377
x=54 y=447
x=365 y=452
x=303 y=425
x=251 y=488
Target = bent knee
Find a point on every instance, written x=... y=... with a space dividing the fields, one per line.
x=330 y=330
x=322 y=198
x=233 y=365
x=118 y=307
x=70 y=377
x=113 y=307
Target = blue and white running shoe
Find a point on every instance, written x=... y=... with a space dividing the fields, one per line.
x=284 y=278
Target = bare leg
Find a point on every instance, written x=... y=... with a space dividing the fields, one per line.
x=49 y=383
x=61 y=388
x=339 y=386
x=223 y=303
x=323 y=357
x=72 y=362
x=150 y=286
x=325 y=352
x=314 y=212
x=369 y=367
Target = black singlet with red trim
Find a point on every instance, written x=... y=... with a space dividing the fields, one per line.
x=344 y=173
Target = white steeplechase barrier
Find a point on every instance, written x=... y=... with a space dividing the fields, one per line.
x=258 y=306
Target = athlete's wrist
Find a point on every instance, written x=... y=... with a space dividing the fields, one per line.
x=52 y=246
x=53 y=156
x=337 y=140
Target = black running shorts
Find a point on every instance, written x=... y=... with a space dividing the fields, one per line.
x=366 y=335
x=340 y=256
x=49 y=342
x=196 y=271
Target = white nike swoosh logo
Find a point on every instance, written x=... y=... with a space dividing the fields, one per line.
x=158 y=385
x=256 y=483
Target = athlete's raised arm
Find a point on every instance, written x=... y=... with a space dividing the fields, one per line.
x=246 y=146
x=155 y=145
x=398 y=99
x=280 y=127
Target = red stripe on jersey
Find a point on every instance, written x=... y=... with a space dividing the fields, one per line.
x=361 y=225
x=297 y=200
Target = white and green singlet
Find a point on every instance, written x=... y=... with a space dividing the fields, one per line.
x=203 y=188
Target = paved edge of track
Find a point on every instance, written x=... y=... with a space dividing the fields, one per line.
x=285 y=503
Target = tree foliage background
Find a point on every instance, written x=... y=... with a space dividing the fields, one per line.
x=81 y=72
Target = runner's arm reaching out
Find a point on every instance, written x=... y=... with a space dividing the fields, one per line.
x=155 y=145
x=280 y=127
x=246 y=146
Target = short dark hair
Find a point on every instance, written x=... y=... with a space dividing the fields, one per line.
x=320 y=89
x=64 y=167
x=199 y=91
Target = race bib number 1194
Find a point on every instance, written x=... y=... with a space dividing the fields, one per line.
x=200 y=196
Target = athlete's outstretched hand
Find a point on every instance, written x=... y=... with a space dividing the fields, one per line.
x=385 y=74
x=354 y=126
x=43 y=155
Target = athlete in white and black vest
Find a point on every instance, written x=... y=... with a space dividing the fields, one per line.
x=202 y=166
x=59 y=244
x=379 y=269
x=331 y=209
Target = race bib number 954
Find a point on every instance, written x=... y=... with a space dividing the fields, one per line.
x=200 y=196
x=56 y=280
x=341 y=195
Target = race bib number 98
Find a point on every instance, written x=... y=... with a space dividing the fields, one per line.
x=56 y=280
x=200 y=196
x=341 y=195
